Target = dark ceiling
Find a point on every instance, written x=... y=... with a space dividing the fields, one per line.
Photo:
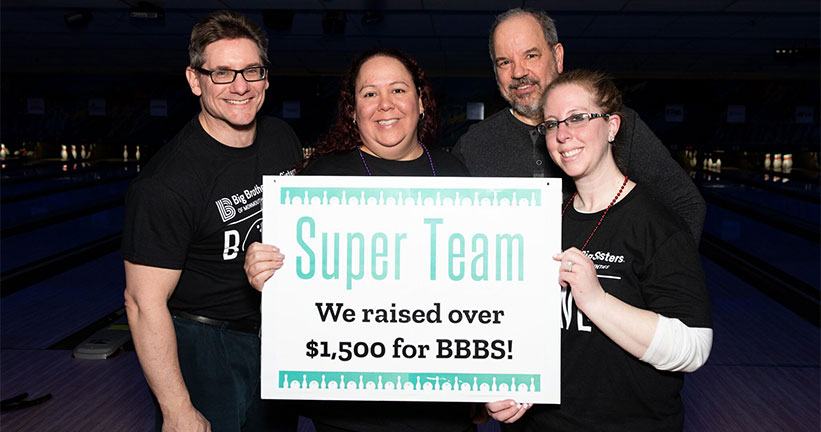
x=639 y=38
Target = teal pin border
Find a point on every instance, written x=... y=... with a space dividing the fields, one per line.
x=420 y=381
x=413 y=196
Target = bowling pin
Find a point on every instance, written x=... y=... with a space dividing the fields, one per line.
x=786 y=165
x=767 y=162
x=137 y=154
x=63 y=153
x=693 y=160
x=125 y=153
x=83 y=154
x=3 y=152
x=710 y=164
x=704 y=164
x=718 y=165
x=777 y=162
x=90 y=148
x=74 y=151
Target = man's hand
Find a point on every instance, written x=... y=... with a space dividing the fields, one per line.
x=261 y=262
x=190 y=420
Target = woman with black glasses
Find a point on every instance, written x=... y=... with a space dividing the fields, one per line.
x=635 y=306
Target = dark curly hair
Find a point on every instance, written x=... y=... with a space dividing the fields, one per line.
x=344 y=134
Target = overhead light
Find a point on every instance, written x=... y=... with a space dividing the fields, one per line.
x=797 y=52
x=77 y=18
x=333 y=22
x=147 y=11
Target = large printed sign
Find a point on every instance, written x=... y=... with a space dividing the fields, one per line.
x=412 y=288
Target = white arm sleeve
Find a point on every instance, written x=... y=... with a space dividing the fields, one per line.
x=678 y=348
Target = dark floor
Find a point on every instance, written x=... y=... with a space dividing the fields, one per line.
x=762 y=375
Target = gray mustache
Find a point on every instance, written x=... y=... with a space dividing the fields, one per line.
x=523 y=81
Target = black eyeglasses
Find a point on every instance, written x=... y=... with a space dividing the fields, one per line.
x=227 y=76
x=573 y=122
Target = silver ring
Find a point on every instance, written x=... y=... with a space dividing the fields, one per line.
x=568 y=266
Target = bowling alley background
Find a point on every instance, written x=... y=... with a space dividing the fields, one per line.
x=732 y=88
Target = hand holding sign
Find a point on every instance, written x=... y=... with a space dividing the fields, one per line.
x=261 y=261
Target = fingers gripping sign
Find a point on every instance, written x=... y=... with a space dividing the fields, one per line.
x=261 y=262
x=578 y=272
x=507 y=411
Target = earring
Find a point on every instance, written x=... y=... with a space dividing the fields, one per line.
x=422 y=116
x=354 y=121
x=611 y=139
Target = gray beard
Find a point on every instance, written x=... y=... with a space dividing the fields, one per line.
x=532 y=111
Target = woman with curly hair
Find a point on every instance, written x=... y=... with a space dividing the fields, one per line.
x=386 y=126
x=386 y=122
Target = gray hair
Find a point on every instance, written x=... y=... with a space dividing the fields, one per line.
x=546 y=23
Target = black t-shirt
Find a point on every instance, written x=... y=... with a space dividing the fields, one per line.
x=356 y=163
x=389 y=416
x=644 y=255
x=197 y=205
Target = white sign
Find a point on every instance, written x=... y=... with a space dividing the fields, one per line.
x=674 y=113
x=413 y=289
x=736 y=113
x=158 y=107
x=290 y=109
x=96 y=107
x=475 y=111
x=35 y=106
x=804 y=114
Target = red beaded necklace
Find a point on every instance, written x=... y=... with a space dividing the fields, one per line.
x=618 y=194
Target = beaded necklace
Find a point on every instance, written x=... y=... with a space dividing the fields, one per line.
x=432 y=168
x=603 y=214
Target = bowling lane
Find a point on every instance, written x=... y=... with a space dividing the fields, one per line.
x=787 y=208
x=788 y=252
x=17 y=188
x=800 y=184
x=777 y=226
x=87 y=395
x=31 y=246
x=61 y=204
x=763 y=372
x=45 y=313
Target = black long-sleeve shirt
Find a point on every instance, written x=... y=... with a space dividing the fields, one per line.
x=503 y=146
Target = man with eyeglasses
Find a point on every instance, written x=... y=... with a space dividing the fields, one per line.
x=189 y=217
x=526 y=57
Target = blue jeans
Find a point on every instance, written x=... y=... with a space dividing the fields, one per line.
x=221 y=369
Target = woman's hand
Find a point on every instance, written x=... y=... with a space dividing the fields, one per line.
x=628 y=326
x=507 y=411
x=578 y=271
x=261 y=262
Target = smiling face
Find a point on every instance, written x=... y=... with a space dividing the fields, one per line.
x=387 y=108
x=228 y=108
x=525 y=65
x=584 y=150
